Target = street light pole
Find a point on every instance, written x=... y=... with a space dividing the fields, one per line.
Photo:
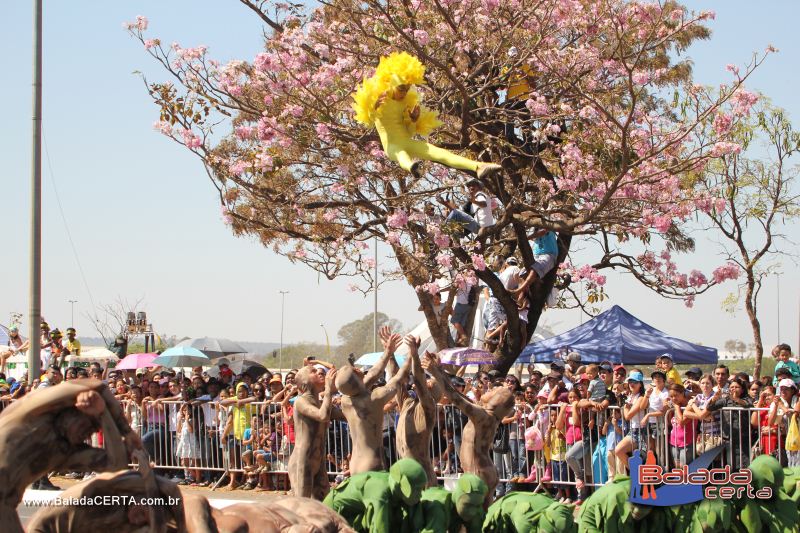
x=283 y=301
x=72 y=313
x=327 y=340
x=34 y=309
x=375 y=310
x=778 y=300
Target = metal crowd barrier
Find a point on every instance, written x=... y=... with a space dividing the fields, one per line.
x=182 y=437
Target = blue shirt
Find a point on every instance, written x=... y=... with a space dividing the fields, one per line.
x=546 y=244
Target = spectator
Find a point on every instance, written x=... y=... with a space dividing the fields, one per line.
x=735 y=423
x=188 y=448
x=784 y=361
x=721 y=375
x=52 y=377
x=545 y=253
x=73 y=346
x=632 y=413
x=709 y=432
x=477 y=213
x=655 y=400
x=681 y=436
x=668 y=366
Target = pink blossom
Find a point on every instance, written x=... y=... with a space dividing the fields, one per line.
x=697 y=279
x=422 y=37
x=368 y=262
x=730 y=67
x=337 y=188
x=245 y=132
x=725 y=272
x=537 y=107
x=352 y=287
x=393 y=238
x=299 y=253
x=163 y=126
x=330 y=215
x=150 y=43
x=398 y=219
x=689 y=301
x=323 y=132
x=722 y=123
x=478 y=262
x=431 y=288
x=190 y=139
x=725 y=148
x=444 y=259
x=641 y=77
x=442 y=240
x=720 y=205
x=742 y=101
x=141 y=22
x=237 y=168
x=662 y=223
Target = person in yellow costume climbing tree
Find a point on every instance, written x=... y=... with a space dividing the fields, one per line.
x=389 y=101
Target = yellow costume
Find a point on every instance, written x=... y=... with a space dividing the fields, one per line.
x=389 y=102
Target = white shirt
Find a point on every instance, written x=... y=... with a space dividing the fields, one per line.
x=483 y=215
x=510 y=277
x=636 y=421
x=657 y=400
x=462 y=295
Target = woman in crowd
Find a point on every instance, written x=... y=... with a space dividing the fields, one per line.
x=735 y=423
x=709 y=431
x=682 y=428
x=632 y=413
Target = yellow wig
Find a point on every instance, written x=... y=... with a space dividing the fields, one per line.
x=398 y=68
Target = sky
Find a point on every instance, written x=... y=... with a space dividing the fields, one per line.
x=145 y=219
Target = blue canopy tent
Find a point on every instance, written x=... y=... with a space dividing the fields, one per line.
x=619 y=337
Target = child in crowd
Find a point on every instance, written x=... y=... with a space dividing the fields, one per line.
x=667 y=365
x=681 y=436
x=188 y=449
x=612 y=429
x=557 y=444
x=784 y=361
x=249 y=437
x=597 y=388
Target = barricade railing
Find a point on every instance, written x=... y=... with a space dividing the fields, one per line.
x=559 y=453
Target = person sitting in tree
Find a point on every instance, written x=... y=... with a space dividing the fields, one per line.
x=389 y=102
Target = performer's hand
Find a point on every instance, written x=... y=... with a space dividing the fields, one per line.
x=412 y=342
x=380 y=101
x=330 y=377
x=90 y=403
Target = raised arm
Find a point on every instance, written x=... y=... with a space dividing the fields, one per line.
x=418 y=372
x=389 y=346
x=323 y=412
x=431 y=364
x=385 y=393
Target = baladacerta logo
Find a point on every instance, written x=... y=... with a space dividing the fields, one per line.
x=653 y=485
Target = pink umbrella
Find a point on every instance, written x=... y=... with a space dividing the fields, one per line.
x=466 y=356
x=137 y=360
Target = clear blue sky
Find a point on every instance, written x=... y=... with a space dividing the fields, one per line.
x=145 y=218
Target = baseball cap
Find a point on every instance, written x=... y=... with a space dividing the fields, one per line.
x=537 y=372
x=275 y=379
x=223 y=361
x=317 y=367
x=786 y=383
x=666 y=355
x=620 y=367
x=574 y=357
x=636 y=376
x=557 y=363
x=585 y=377
x=606 y=367
x=695 y=371
x=659 y=373
x=512 y=261
x=13 y=328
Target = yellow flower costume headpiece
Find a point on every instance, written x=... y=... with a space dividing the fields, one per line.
x=398 y=68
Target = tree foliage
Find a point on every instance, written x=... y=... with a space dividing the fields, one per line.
x=607 y=143
x=357 y=336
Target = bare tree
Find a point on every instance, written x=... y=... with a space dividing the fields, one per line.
x=110 y=320
x=759 y=187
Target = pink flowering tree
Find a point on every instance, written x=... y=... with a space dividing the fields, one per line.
x=605 y=139
x=760 y=200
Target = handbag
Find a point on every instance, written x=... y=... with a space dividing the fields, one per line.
x=501 y=444
x=533 y=439
x=793 y=435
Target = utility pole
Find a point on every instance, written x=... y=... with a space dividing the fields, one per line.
x=72 y=313
x=283 y=301
x=778 y=301
x=375 y=310
x=35 y=311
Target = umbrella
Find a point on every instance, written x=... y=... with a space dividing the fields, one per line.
x=137 y=360
x=214 y=348
x=246 y=366
x=371 y=359
x=182 y=356
x=466 y=356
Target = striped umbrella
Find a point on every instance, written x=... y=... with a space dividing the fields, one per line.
x=466 y=356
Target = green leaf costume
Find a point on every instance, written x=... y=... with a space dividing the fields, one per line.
x=529 y=512
x=381 y=502
x=444 y=511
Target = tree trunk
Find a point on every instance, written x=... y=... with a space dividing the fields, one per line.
x=537 y=294
x=755 y=324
